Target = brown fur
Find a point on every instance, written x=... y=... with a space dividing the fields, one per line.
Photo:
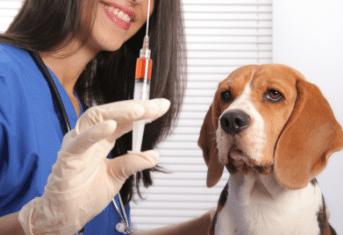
x=207 y=141
x=311 y=135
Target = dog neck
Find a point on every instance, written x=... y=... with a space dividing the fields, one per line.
x=255 y=185
x=259 y=202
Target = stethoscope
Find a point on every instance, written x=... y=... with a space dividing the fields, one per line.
x=121 y=227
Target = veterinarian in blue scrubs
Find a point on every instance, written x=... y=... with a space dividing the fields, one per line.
x=89 y=50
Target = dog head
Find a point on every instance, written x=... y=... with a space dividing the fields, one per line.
x=268 y=117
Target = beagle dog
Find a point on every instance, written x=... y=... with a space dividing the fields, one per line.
x=274 y=132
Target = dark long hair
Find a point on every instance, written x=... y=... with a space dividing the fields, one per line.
x=48 y=25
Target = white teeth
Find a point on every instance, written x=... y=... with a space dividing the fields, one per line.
x=121 y=15
x=127 y=18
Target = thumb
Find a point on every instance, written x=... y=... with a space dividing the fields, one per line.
x=124 y=166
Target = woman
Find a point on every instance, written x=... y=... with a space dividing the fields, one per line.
x=90 y=55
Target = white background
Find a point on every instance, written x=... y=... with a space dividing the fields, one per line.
x=221 y=36
x=308 y=35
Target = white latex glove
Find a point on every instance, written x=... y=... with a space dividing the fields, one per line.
x=83 y=181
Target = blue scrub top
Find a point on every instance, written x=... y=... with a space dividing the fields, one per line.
x=31 y=136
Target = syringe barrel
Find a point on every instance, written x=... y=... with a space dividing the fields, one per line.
x=142 y=79
x=141 y=92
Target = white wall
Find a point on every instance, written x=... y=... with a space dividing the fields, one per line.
x=308 y=35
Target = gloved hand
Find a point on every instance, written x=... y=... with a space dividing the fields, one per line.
x=83 y=180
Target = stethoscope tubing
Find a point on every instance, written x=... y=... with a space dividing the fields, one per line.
x=63 y=119
x=123 y=217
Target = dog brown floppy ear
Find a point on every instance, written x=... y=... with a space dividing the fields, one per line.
x=207 y=143
x=310 y=136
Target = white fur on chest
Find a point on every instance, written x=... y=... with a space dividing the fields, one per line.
x=258 y=205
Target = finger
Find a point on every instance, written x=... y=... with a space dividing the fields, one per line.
x=153 y=113
x=123 y=112
x=124 y=166
x=153 y=110
x=93 y=135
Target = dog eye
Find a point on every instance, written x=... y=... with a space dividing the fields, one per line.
x=273 y=95
x=226 y=96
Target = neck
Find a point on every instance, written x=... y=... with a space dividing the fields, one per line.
x=67 y=64
x=254 y=184
x=261 y=204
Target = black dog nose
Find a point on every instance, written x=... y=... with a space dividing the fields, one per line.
x=234 y=121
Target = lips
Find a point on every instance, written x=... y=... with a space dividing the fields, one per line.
x=126 y=10
x=114 y=18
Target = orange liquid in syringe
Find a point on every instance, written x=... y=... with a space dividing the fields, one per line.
x=140 y=68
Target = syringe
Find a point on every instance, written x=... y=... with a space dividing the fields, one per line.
x=142 y=86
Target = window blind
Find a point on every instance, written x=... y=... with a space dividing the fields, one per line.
x=8 y=9
x=221 y=35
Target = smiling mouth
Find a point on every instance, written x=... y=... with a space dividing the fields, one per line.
x=118 y=13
